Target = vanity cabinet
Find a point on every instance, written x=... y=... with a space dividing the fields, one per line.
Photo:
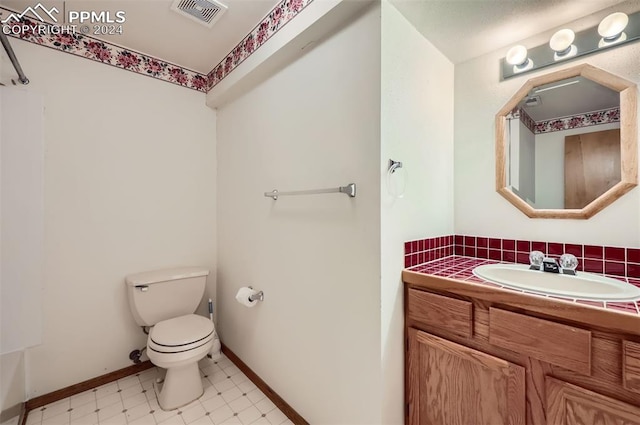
x=475 y=355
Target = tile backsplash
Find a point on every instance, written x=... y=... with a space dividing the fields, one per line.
x=424 y=250
x=610 y=260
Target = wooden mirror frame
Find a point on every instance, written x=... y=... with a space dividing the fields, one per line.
x=628 y=142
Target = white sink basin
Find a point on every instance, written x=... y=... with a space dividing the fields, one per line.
x=585 y=286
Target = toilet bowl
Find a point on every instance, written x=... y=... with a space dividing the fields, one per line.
x=177 y=345
x=164 y=301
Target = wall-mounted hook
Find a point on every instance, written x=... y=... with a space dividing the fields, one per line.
x=394 y=165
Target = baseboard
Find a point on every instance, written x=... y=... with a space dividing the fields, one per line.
x=85 y=385
x=24 y=408
x=273 y=396
x=12 y=412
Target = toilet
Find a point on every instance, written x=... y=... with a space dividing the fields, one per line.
x=165 y=301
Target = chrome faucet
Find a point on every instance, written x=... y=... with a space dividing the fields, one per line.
x=550 y=265
x=568 y=263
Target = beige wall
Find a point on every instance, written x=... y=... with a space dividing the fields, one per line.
x=417 y=129
x=21 y=239
x=314 y=124
x=129 y=186
x=479 y=210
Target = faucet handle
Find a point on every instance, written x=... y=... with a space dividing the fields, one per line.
x=535 y=260
x=568 y=263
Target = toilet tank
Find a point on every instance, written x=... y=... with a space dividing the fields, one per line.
x=163 y=294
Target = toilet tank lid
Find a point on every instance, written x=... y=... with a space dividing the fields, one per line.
x=164 y=275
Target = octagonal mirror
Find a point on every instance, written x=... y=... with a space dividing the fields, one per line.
x=566 y=143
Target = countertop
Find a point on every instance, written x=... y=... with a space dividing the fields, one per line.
x=454 y=274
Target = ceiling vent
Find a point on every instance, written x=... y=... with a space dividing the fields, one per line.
x=532 y=101
x=205 y=12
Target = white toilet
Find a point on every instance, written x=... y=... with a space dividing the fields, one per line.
x=165 y=301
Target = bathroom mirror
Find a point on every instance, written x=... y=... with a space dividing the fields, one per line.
x=566 y=143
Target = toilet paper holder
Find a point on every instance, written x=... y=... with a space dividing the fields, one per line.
x=258 y=296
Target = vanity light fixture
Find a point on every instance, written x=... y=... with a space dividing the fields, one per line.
x=562 y=44
x=611 y=29
x=616 y=29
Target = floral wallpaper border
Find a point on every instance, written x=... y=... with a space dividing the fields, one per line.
x=604 y=116
x=527 y=120
x=111 y=54
x=277 y=18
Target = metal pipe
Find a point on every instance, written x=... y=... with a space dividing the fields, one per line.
x=14 y=60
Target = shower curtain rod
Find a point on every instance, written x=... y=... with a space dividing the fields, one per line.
x=14 y=60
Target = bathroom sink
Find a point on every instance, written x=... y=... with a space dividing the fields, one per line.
x=585 y=286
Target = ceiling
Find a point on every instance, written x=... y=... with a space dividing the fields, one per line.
x=465 y=29
x=460 y=29
x=559 y=99
x=151 y=27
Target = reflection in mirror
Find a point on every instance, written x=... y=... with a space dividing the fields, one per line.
x=564 y=144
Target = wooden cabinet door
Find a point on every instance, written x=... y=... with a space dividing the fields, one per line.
x=450 y=384
x=569 y=404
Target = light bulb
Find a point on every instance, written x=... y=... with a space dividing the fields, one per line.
x=613 y=25
x=562 y=44
x=562 y=40
x=517 y=55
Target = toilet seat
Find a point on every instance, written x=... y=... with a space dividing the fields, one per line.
x=177 y=345
x=180 y=334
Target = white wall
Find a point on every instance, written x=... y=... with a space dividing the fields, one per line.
x=12 y=382
x=417 y=129
x=527 y=162
x=479 y=210
x=314 y=124
x=21 y=236
x=21 y=223
x=129 y=186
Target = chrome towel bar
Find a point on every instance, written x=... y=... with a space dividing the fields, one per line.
x=349 y=190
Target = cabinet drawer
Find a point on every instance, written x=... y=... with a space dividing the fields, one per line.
x=561 y=345
x=450 y=314
x=631 y=365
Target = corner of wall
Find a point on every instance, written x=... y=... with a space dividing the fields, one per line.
x=417 y=129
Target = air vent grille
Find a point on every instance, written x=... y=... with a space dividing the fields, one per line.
x=205 y=12
x=532 y=101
